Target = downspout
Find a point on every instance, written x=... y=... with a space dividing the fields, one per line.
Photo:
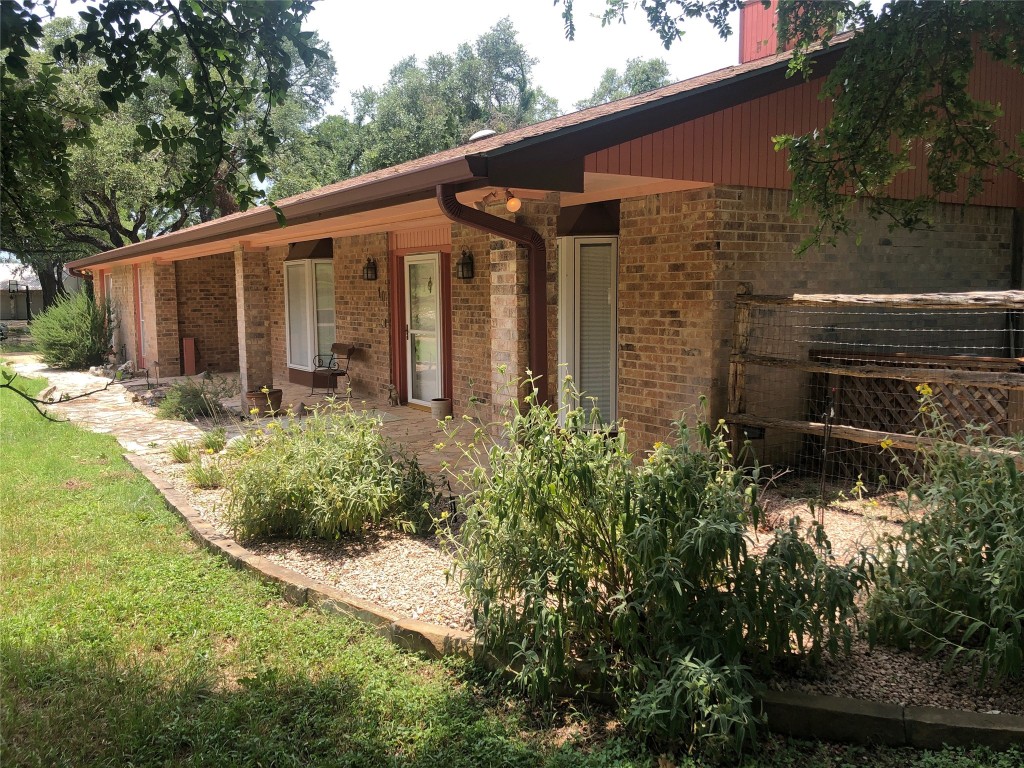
x=537 y=273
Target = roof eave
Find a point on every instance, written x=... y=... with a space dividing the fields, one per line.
x=405 y=187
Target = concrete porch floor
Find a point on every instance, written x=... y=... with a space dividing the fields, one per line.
x=413 y=428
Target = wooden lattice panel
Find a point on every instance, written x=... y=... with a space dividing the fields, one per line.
x=893 y=405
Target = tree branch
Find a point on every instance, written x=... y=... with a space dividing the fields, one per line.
x=35 y=402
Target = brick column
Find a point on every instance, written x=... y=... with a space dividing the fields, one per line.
x=542 y=217
x=509 y=320
x=160 y=310
x=252 y=283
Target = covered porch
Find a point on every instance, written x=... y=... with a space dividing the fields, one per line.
x=411 y=427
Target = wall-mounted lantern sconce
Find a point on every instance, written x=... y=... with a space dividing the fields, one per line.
x=512 y=203
x=370 y=270
x=464 y=266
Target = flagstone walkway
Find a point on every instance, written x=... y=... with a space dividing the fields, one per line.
x=113 y=409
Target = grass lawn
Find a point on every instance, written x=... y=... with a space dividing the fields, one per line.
x=124 y=644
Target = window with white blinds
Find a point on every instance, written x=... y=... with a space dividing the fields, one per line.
x=309 y=310
x=587 y=319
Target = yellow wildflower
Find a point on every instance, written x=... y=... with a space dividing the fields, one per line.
x=924 y=390
x=886 y=444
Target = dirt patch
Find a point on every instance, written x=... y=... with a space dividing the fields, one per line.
x=74 y=484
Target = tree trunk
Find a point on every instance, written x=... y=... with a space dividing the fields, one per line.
x=51 y=280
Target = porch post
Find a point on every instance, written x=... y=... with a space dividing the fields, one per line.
x=160 y=302
x=252 y=285
x=510 y=325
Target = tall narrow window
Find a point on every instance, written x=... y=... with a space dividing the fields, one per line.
x=309 y=310
x=587 y=319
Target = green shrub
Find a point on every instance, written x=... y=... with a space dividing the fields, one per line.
x=180 y=452
x=585 y=570
x=194 y=398
x=75 y=332
x=204 y=473
x=327 y=475
x=953 y=580
x=214 y=440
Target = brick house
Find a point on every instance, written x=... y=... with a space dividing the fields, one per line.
x=639 y=221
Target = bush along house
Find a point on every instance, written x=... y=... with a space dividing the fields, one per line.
x=609 y=244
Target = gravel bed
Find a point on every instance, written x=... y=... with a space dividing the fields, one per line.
x=903 y=677
x=410 y=575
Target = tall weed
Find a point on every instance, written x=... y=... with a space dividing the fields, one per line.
x=587 y=571
x=192 y=399
x=952 y=581
x=328 y=475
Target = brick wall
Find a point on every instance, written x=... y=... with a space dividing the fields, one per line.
x=361 y=311
x=542 y=217
x=471 y=322
x=123 y=303
x=167 y=342
x=968 y=249
x=665 y=360
x=275 y=302
x=207 y=311
x=683 y=255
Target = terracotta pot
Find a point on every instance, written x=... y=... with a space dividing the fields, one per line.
x=268 y=403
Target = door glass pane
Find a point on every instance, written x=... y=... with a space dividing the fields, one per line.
x=595 y=327
x=422 y=296
x=299 y=353
x=424 y=357
x=324 y=307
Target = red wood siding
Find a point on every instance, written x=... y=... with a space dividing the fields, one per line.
x=757 y=31
x=420 y=240
x=734 y=146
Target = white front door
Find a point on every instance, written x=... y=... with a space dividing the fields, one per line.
x=587 y=319
x=423 y=327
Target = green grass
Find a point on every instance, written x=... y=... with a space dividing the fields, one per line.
x=124 y=644
x=18 y=342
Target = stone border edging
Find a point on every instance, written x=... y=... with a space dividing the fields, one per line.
x=860 y=721
x=792 y=713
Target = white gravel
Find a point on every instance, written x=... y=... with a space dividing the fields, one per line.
x=414 y=577
x=410 y=575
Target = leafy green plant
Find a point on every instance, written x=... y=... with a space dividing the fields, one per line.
x=952 y=580
x=75 y=332
x=586 y=571
x=180 y=452
x=195 y=398
x=205 y=473
x=328 y=475
x=214 y=440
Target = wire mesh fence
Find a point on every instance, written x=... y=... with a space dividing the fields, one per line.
x=818 y=383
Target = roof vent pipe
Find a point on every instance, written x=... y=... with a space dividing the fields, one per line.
x=537 y=272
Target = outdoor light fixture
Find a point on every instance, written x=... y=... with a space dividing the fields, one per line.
x=512 y=203
x=370 y=269
x=464 y=266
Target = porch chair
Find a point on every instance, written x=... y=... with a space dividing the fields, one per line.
x=333 y=366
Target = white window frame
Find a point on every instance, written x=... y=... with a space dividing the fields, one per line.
x=569 y=315
x=309 y=278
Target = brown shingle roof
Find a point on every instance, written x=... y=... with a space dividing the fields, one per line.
x=459 y=158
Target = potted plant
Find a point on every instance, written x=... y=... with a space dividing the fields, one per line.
x=264 y=399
